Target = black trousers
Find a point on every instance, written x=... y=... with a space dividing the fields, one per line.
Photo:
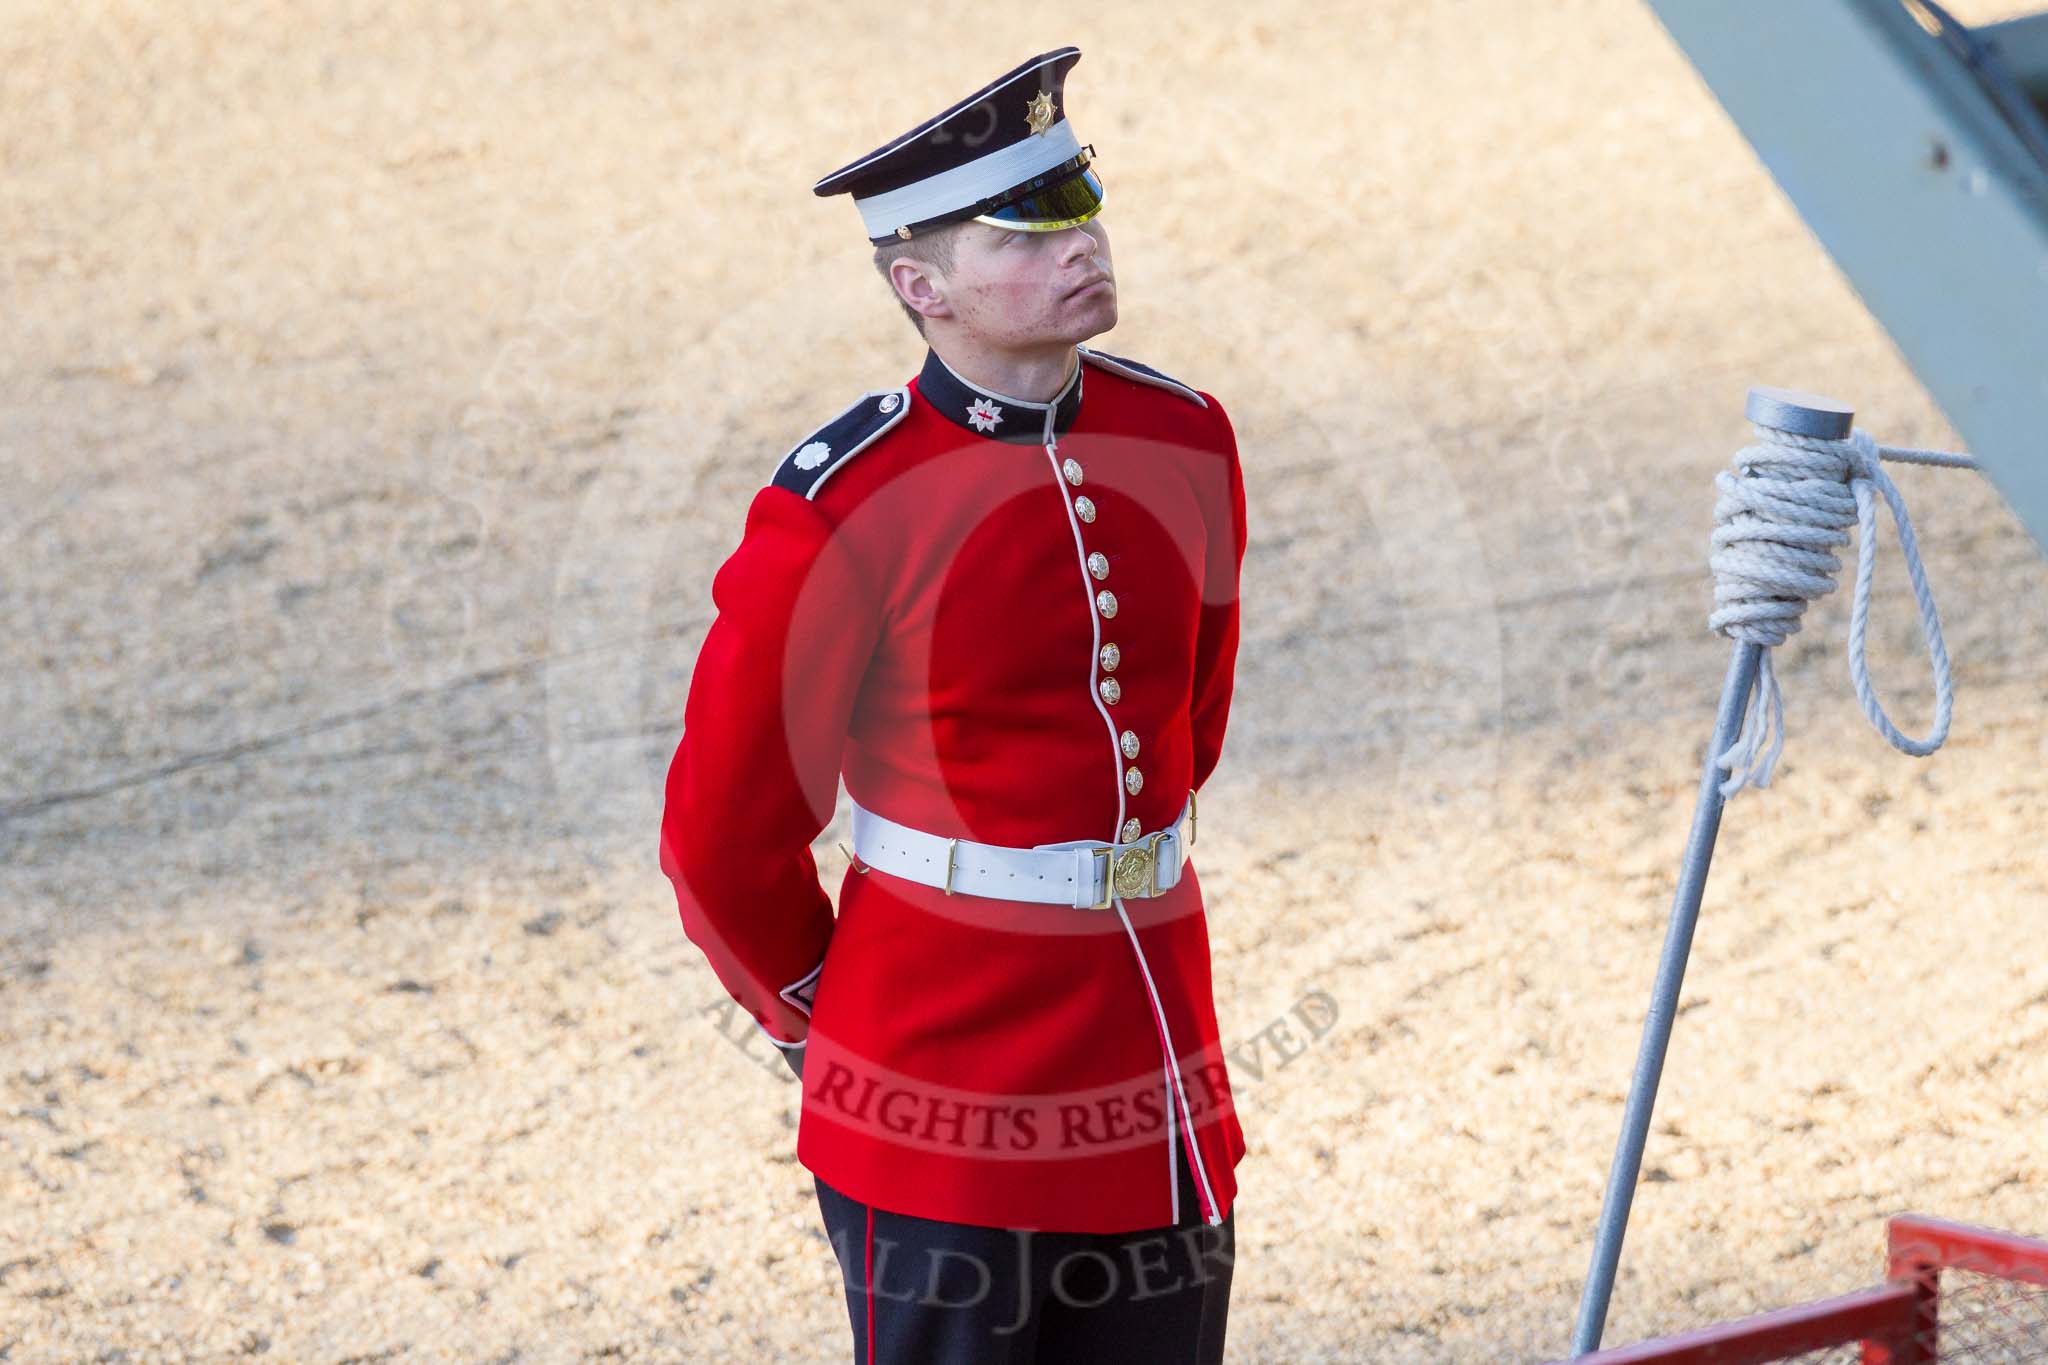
x=925 y=1292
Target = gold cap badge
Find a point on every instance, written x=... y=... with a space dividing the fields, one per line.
x=1039 y=112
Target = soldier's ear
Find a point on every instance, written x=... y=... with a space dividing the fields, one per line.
x=921 y=287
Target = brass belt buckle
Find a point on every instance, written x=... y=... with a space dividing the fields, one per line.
x=1153 y=848
x=1103 y=857
x=1132 y=873
x=1137 y=873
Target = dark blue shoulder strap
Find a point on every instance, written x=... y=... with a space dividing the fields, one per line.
x=1144 y=374
x=813 y=460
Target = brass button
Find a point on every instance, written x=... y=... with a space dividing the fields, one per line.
x=1132 y=829
x=1072 y=469
x=1130 y=743
x=1134 y=781
x=1112 y=690
x=1098 y=564
x=1105 y=602
x=1111 y=657
x=1084 y=508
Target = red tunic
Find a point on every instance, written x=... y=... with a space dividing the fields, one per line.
x=921 y=617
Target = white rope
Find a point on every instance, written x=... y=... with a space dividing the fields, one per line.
x=1784 y=505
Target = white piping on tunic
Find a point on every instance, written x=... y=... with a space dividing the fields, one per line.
x=1115 y=366
x=1173 y=1085
x=1170 y=1068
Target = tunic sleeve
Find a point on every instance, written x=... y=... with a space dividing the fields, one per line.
x=755 y=776
x=1216 y=638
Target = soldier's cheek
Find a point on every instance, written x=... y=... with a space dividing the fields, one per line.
x=1023 y=294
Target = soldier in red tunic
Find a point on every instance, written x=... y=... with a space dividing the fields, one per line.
x=1001 y=602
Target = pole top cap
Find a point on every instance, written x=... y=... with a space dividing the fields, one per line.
x=1801 y=414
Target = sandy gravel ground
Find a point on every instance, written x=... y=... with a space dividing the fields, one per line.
x=380 y=385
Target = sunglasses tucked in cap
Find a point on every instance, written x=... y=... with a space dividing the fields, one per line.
x=1005 y=155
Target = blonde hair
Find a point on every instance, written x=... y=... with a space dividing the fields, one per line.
x=932 y=246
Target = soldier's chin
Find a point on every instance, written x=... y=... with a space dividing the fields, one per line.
x=1096 y=312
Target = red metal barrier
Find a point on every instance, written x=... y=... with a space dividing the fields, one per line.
x=1956 y=1293
x=1984 y=1294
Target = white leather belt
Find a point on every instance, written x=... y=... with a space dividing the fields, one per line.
x=1082 y=873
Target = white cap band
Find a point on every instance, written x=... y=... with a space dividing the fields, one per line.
x=966 y=185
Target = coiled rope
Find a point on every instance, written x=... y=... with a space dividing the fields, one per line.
x=1786 y=503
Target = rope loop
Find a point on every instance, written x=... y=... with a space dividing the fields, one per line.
x=1785 y=506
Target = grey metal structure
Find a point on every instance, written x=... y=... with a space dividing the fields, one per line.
x=1917 y=151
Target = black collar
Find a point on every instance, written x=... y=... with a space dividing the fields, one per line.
x=996 y=416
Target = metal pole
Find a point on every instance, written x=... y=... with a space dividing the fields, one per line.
x=1642 y=1091
x=1802 y=414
